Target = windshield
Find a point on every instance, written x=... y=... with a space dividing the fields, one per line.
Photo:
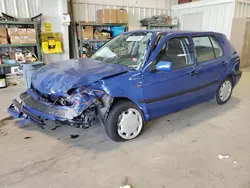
x=127 y=49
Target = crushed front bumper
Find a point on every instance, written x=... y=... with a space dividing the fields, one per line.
x=32 y=108
x=16 y=110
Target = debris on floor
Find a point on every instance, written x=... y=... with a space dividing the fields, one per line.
x=54 y=128
x=2 y=133
x=223 y=157
x=126 y=186
x=125 y=183
x=73 y=136
x=27 y=137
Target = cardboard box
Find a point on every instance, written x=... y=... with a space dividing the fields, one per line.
x=134 y=28
x=22 y=32
x=15 y=40
x=24 y=40
x=106 y=16
x=169 y=20
x=240 y=39
x=3 y=40
x=121 y=16
x=31 y=33
x=31 y=40
x=3 y=32
x=13 y=32
x=88 y=32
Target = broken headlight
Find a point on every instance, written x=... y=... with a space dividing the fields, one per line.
x=85 y=95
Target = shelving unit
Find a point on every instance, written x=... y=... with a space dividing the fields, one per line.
x=34 y=25
x=17 y=45
x=84 y=41
x=152 y=26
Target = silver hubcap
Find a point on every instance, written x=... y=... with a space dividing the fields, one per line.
x=129 y=124
x=225 y=90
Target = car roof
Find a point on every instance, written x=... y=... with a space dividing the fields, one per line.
x=170 y=31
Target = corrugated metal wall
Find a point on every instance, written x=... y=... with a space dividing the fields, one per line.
x=87 y=12
x=217 y=15
x=242 y=9
x=20 y=8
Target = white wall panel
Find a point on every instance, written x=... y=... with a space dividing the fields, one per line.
x=164 y=4
x=217 y=15
x=20 y=8
x=242 y=9
x=87 y=12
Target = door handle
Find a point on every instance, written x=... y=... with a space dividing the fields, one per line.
x=223 y=63
x=192 y=73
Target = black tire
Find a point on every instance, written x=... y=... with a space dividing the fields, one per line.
x=112 y=120
x=217 y=98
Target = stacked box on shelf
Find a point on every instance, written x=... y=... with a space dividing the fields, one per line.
x=24 y=39
x=88 y=32
x=22 y=35
x=3 y=36
x=121 y=16
x=31 y=35
x=14 y=35
x=106 y=16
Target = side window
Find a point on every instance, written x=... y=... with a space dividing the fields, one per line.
x=176 y=50
x=204 y=49
x=217 y=47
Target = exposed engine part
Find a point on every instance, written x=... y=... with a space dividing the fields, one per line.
x=99 y=108
x=63 y=101
x=86 y=119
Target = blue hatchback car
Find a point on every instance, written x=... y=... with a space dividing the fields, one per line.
x=133 y=78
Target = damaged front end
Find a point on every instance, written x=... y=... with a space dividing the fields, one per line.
x=79 y=108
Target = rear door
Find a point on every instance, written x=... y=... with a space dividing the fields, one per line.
x=212 y=63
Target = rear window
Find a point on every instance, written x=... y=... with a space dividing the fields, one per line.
x=217 y=47
x=207 y=48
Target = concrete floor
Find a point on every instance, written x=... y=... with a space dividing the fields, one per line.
x=178 y=150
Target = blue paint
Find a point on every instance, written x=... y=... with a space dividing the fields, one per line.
x=164 y=66
x=58 y=78
x=156 y=93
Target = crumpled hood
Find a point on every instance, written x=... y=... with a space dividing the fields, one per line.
x=58 y=78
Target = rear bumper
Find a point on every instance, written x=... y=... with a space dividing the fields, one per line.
x=237 y=76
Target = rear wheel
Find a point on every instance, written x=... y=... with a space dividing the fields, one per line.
x=224 y=92
x=125 y=121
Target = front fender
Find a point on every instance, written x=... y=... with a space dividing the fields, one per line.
x=127 y=86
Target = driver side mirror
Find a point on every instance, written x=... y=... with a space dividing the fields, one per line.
x=163 y=66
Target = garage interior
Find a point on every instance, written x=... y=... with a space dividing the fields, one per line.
x=205 y=145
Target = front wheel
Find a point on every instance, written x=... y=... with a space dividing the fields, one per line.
x=224 y=92
x=125 y=121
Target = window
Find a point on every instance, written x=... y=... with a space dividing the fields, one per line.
x=217 y=47
x=204 y=49
x=127 y=49
x=207 y=48
x=176 y=50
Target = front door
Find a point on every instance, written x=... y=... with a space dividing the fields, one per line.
x=212 y=64
x=170 y=91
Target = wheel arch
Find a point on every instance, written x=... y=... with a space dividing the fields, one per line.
x=141 y=106
x=231 y=76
